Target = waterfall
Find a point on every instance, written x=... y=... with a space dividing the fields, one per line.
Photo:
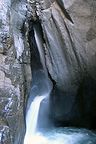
x=55 y=135
x=32 y=118
x=41 y=85
x=39 y=42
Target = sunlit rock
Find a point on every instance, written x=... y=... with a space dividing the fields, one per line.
x=12 y=17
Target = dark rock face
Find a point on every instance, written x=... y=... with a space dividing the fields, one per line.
x=75 y=110
x=69 y=32
x=68 y=39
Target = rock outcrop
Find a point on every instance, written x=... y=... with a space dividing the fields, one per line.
x=70 y=51
x=68 y=39
x=13 y=70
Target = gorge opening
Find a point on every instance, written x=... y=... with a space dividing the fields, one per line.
x=40 y=105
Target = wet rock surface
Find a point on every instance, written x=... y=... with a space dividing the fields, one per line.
x=13 y=71
x=69 y=45
x=70 y=51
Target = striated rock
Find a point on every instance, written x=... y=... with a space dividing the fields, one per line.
x=67 y=36
x=70 y=51
x=5 y=137
x=4 y=132
x=14 y=84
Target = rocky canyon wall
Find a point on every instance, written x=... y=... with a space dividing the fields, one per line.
x=70 y=52
x=14 y=64
x=68 y=38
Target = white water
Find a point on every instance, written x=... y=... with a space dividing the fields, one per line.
x=53 y=136
x=40 y=46
x=32 y=118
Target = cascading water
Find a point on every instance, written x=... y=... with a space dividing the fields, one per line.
x=53 y=136
x=42 y=86
x=31 y=119
x=39 y=43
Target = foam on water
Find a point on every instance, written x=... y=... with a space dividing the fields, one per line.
x=31 y=119
x=55 y=135
x=74 y=136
